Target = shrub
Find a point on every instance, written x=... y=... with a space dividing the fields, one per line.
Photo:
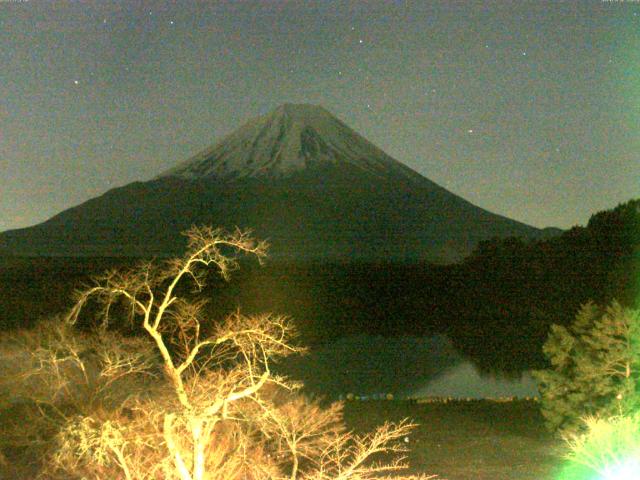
x=609 y=449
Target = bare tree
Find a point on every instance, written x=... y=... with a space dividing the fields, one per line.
x=217 y=411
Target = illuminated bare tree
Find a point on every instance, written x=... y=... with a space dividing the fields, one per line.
x=221 y=413
x=189 y=399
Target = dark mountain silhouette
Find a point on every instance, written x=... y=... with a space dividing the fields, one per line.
x=297 y=177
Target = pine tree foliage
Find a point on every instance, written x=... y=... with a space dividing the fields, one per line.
x=595 y=367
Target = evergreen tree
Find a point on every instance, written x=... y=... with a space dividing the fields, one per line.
x=595 y=367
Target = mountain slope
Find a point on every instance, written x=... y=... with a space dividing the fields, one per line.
x=299 y=178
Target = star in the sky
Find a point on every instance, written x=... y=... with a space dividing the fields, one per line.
x=524 y=54
x=470 y=130
x=76 y=82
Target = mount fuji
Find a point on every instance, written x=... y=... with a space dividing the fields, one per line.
x=299 y=178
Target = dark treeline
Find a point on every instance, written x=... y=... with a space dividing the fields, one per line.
x=36 y=287
x=508 y=292
x=496 y=306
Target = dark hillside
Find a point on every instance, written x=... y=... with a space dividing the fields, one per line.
x=496 y=307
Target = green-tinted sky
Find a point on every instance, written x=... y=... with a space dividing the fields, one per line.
x=528 y=109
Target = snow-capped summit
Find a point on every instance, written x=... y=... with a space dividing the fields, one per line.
x=291 y=138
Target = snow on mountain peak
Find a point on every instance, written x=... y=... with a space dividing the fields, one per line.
x=291 y=138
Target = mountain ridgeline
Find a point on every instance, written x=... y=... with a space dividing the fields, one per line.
x=298 y=177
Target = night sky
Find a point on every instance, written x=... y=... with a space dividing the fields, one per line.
x=527 y=109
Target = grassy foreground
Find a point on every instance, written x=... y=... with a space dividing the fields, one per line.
x=476 y=440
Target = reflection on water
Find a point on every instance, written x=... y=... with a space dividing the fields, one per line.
x=465 y=381
x=405 y=366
